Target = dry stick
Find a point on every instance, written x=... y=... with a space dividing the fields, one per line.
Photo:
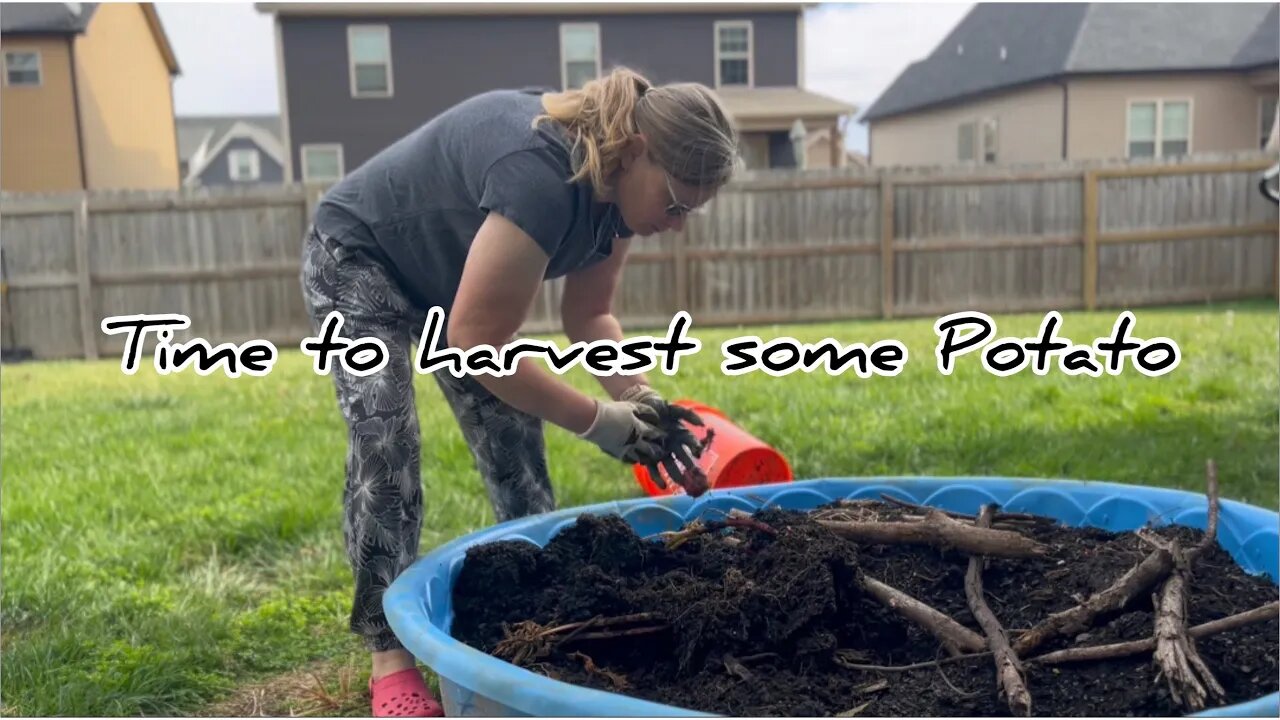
x=1211 y=528
x=953 y=636
x=1190 y=680
x=941 y=531
x=1270 y=611
x=528 y=639
x=602 y=622
x=999 y=516
x=675 y=538
x=1140 y=578
x=916 y=666
x=1008 y=669
x=605 y=635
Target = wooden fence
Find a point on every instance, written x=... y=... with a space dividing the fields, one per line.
x=773 y=247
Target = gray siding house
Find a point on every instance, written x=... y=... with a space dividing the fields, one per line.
x=1041 y=82
x=230 y=150
x=355 y=77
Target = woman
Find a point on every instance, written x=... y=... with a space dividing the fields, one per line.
x=471 y=212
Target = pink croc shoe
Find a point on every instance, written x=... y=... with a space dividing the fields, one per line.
x=403 y=694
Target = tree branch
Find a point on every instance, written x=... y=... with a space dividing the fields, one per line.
x=1008 y=670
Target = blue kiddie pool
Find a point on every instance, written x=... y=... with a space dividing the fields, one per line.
x=420 y=610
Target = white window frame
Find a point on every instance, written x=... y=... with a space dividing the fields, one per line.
x=977 y=139
x=748 y=55
x=39 y=68
x=1160 y=102
x=351 y=62
x=255 y=164
x=979 y=123
x=564 y=61
x=319 y=147
x=1264 y=133
x=981 y=141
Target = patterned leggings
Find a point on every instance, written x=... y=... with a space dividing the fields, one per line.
x=383 y=499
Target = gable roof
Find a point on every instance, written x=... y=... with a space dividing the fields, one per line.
x=194 y=130
x=46 y=18
x=73 y=19
x=211 y=147
x=999 y=46
x=1260 y=48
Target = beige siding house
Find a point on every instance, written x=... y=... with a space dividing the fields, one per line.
x=1027 y=83
x=87 y=98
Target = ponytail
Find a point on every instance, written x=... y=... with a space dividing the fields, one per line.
x=600 y=118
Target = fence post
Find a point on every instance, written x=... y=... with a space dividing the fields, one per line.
x=886 y=246
x=1089 y=222
x=84 y=288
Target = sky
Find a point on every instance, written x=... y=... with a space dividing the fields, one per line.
x=852 y=53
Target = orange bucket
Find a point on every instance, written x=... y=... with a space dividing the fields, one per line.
x=736 y=458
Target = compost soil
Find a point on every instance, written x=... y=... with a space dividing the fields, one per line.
x=758 y=624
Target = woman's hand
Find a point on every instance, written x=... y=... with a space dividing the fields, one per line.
x=678 y=443
x=629 y=431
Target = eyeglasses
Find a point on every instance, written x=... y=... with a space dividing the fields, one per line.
x=676 y=208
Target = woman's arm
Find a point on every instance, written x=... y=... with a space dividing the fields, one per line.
x=499 y=284
x=586 y=310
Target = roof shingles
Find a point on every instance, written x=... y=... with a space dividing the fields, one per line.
x=46 y=17
x=998 y=46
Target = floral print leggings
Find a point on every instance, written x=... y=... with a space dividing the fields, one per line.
x=383 y=497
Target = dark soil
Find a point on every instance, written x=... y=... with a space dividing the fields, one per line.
x=757 y=624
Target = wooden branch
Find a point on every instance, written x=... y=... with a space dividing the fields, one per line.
x=1139 y=579
x=1008 y=670
x=916 y=666
x=1189 y=679
x=1211 y=528
x=941 y=531
x=953 y=636
x=607 y=634
x=996 y=519
x=1270 y=611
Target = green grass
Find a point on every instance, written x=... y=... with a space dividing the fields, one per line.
x=167 y=539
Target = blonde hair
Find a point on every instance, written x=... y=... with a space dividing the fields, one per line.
x=688 y=131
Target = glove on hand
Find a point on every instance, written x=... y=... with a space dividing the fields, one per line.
x=678 y=443
x=628 y=431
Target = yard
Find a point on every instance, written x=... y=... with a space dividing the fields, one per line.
x=171 y=542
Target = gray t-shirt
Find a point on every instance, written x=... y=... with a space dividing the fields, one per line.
x=417 y=204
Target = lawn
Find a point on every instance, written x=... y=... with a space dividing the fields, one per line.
x=168 y=541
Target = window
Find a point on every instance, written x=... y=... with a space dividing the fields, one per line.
x=977 y=140
x=1159 y=128
x=1175 y=127
x=22 y=68
x=321 y=163
x=369 y=53
x=243 y=164
x=1266 y=118
x=733 y=53
x=990 y=131
x=966 y=140
x=579 y=54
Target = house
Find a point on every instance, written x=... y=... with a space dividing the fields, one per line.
x=355 y=77
x=1016 y=83
x=230 y=150
x=818 y=151
x=87 y=98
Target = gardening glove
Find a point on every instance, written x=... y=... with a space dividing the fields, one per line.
x=628 y=431
x=678 y=443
